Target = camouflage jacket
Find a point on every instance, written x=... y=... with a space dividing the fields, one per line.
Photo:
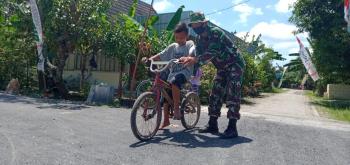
x=218 y=49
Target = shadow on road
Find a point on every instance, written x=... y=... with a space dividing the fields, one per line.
x=64 y=107
x=247 y=102
x=49 y=103
x=189 y=139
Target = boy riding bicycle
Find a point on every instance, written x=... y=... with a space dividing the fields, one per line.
x=178 y=74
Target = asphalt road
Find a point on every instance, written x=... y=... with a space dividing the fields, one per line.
x=38 y=132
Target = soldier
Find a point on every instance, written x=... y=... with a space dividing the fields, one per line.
x=213 y=45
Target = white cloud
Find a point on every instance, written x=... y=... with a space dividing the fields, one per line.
x=162 y=5
x=277 y=35
x=258 y=11
x=282 y=6
x=274 y=21
x=268 y=6
x=293 y=50
x=245 y=11
x=285 y=45
x=237 y=1
x=274 y=30
x=241 y=34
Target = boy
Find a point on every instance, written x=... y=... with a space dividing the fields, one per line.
x=179 y=74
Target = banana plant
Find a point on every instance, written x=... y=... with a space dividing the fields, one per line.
x=131 y=23
x=296 y=66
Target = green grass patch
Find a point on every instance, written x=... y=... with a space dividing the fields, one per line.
x=336 y=109
x=275 y=90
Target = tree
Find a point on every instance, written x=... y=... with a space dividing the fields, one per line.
x=74 y=27
x=266 y=71
x=259 y=60
x=121 y=42
x=16 y=36
x=324 y=22
x=297 y=66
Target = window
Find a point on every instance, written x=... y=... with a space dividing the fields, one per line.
x=104 y=63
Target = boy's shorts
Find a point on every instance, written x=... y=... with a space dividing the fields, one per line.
x=178 y=80
x=164 y=75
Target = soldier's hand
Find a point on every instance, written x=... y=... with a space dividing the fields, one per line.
x=187 y=61
x=183 y=60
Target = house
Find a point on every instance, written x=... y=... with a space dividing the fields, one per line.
x=165 y=18
x=108 y=68
x=123 y=6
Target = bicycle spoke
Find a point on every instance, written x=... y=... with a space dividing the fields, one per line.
x=145 y=121
x=191 y=111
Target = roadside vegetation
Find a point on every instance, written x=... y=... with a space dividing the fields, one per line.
x=336 y=109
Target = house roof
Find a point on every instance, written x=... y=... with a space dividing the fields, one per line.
x=123 y=6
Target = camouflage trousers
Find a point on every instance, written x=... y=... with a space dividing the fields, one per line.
x=226 y=88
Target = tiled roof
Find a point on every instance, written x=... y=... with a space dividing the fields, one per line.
x=123 y=6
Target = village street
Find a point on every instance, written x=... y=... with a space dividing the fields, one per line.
x=276 y=129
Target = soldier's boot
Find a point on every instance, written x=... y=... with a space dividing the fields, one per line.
x=211 y=127
x=231 y=131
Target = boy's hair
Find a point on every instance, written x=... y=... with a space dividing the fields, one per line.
x=181 y=27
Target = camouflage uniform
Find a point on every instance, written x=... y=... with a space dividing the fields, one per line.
x=219 y=49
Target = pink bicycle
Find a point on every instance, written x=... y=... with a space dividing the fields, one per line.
x=146 y=113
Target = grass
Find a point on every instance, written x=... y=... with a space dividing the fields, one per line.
x=336 y=109
x=274 y=90
x=278 y=90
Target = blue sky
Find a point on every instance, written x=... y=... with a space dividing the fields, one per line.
x=266 y=17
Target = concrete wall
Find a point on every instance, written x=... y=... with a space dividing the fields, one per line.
x=338 y=91
x=110 y=78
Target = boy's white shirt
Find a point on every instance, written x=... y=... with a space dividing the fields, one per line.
x=175 y=51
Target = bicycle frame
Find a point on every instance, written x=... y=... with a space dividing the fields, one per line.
x=159 y=88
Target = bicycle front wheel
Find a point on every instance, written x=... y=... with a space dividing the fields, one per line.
x=145 y=116
x=191 y=110
x=144 y=86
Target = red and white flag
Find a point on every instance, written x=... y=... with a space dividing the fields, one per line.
x=39 y=43
x=306 y=59
x=347 y=13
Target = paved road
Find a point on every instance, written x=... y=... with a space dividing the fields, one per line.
x=46 y=132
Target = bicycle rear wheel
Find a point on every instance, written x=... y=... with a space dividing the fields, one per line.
x=191 y=110
x=145 y=116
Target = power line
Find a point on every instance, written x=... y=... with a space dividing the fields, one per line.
x=224 y=9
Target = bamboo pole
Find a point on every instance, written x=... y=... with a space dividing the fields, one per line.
x=133 y=81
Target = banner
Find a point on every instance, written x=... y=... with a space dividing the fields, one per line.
x=281 y=80
x=305 y=58
x=347 y=13
x=38 y=27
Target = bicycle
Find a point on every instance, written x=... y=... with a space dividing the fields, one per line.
x=144 y=86
x=147 y=108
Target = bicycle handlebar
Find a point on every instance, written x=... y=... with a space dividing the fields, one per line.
x=160 y=64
